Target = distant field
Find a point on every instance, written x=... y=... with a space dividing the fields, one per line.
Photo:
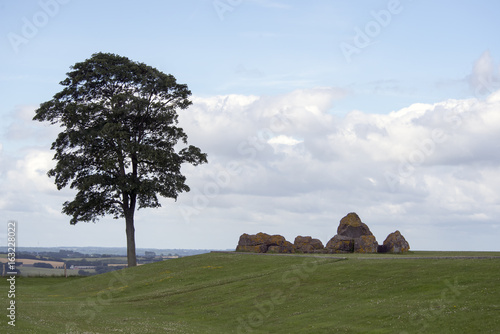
x=32 y=261
x=115 y=261
x=246 y=293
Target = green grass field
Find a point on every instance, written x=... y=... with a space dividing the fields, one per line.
x=245 y=293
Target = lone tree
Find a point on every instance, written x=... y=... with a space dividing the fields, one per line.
x=118 y=146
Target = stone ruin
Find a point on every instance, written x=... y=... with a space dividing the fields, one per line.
x=353 y=236
x=264 y=243
x=308 y=245
x=394 y=243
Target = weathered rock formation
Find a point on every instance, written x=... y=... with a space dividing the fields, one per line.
x=308 y=245
x=264 y=243
x=253 y=243
x=352 y=236
x=396 y=243
x=340 y=244
x=365 y=244
x=351 y=226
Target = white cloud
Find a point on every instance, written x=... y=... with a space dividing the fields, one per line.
x=423 y=164
x=484 y=78
x=30 y=173
x=284 y=164
x=284 y=140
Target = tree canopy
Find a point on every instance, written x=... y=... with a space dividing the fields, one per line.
x=120 y=139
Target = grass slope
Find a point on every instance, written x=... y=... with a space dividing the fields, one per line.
x=244 y=293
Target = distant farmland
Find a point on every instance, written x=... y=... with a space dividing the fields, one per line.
x=30 y=262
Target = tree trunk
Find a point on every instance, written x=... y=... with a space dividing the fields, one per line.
x=129 y=221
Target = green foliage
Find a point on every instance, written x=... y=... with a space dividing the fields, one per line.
x=82 y=272
x=120 y=129
x=43 y=265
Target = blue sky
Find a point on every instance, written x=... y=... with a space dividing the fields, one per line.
x=247 y=62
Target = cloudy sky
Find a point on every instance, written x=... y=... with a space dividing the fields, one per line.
x=307 y=110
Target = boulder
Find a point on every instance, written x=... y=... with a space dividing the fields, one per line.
x=396 y=243
x=340 y=244
x=365 y=244
x=256 y=243
x=278 y=244
x=352 y=236
x=351 y=226
x=263 y=243
x=253 y=239
x=288 y=247
x=276 y=240
x=308 y=245
x=252 y=249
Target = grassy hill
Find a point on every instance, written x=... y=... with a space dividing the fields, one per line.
x=245 y=293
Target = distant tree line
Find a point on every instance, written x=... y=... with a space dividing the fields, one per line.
x=99 y=270
x=43 y=265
